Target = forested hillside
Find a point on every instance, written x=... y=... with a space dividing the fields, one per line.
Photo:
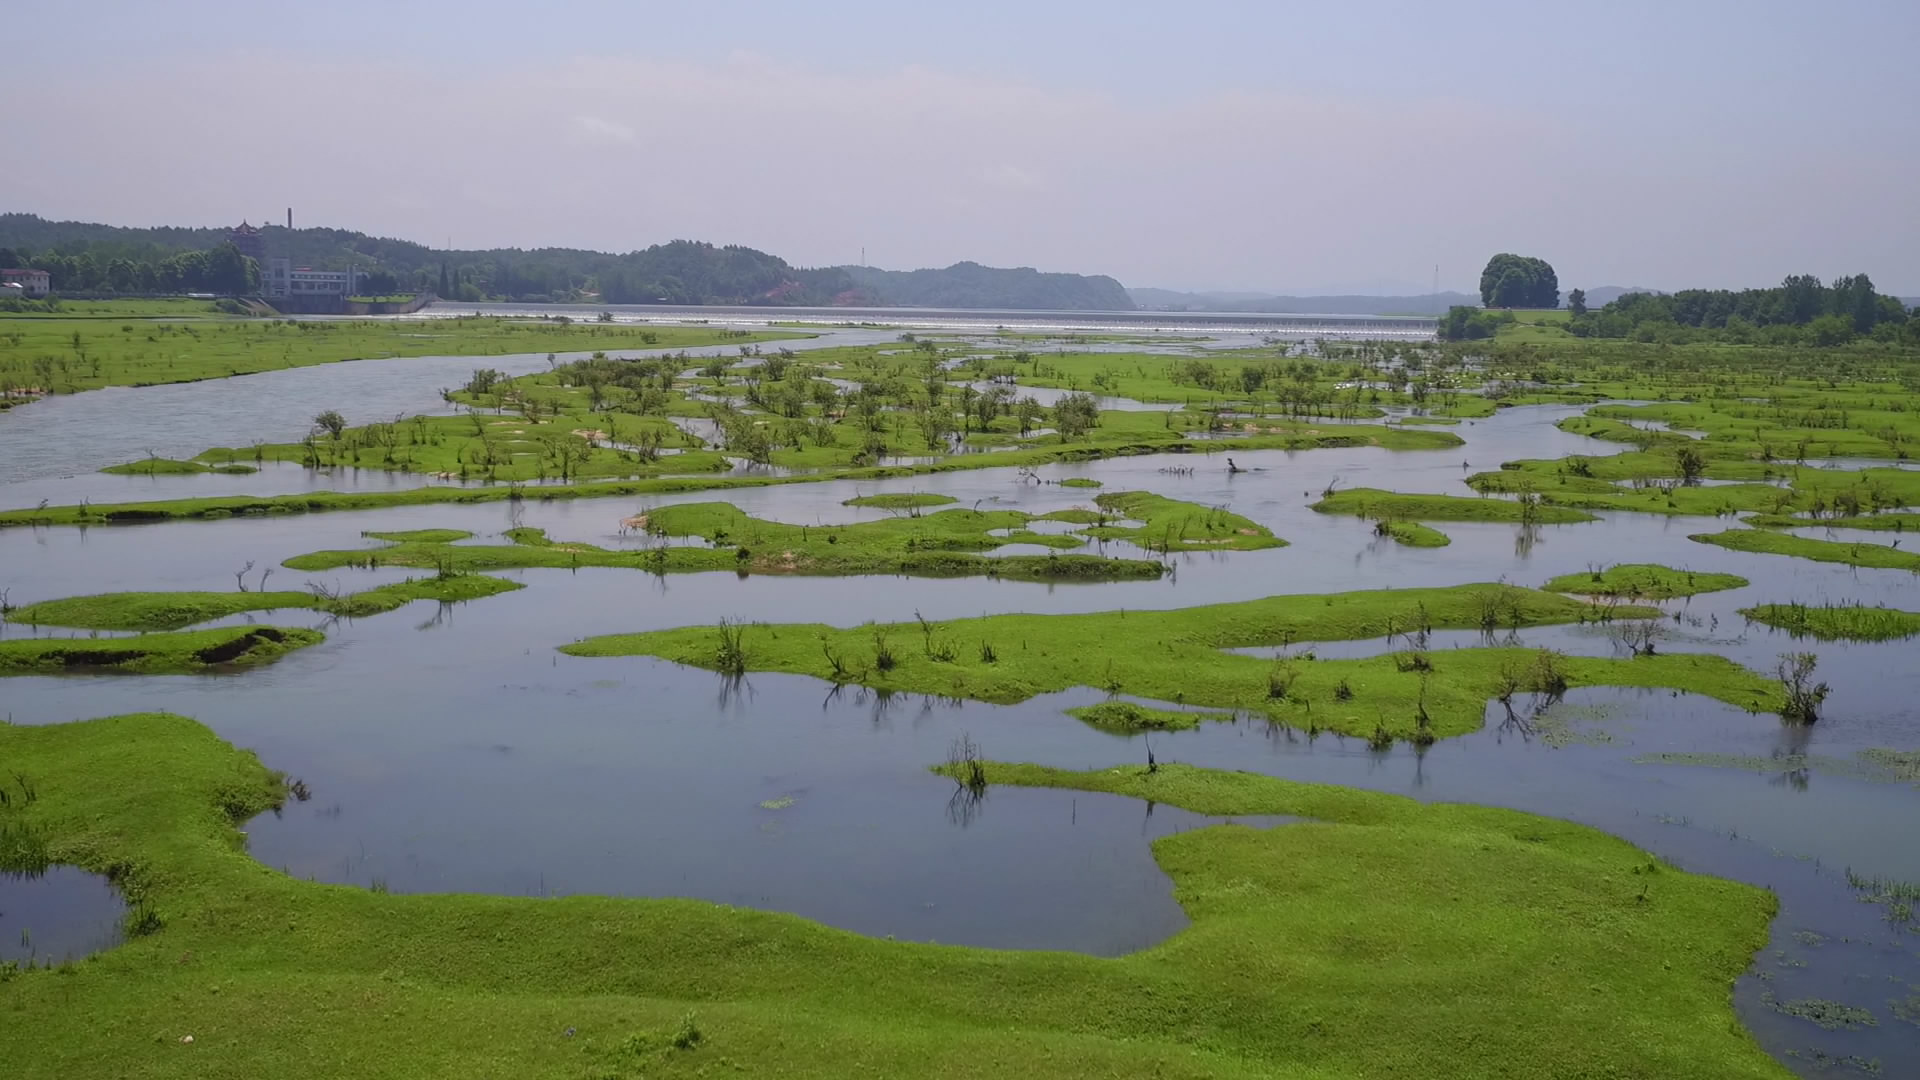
x=90 y=258
x=970 y=285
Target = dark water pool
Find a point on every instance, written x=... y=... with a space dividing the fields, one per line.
x=57 y=915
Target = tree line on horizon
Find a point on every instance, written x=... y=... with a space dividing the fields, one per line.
x=1801 y=310
x=91 y=259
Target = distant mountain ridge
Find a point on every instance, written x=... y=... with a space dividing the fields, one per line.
x=1422 y=304
x=1603 y=295
x=970 y=285
x=680 y=272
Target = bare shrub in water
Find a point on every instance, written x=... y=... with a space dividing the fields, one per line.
x=1803 y=695
x=965 y=765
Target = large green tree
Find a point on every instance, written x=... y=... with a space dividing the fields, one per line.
x=1519 y=281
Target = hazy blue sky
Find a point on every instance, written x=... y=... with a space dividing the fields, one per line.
x=1195 y=145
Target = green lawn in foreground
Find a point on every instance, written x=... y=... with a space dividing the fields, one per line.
x=1643 y=581
x=1391 y=939
x=154 y=654
x=1176 y=656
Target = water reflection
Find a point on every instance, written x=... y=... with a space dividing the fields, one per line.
x=57 y=914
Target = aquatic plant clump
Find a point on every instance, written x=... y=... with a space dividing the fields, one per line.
x=1410 y=533
x=1127 y=718
x=1502 y=925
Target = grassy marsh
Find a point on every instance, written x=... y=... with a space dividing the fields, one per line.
x=1158 y=523
x=1643 y=581
x=904 y=500
x=1411 y=533
x=1502 y=928
x=1837 y=622
x=1176 y=656
x=1762 y=541
x=947 y=543
x=185 y=653
x=153 y=611
x=1393 y=506
x=1128 y=718
x=64 y=355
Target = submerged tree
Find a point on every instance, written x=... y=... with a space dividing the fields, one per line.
x=1803 y=695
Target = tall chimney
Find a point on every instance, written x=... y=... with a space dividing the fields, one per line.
x=289 y=217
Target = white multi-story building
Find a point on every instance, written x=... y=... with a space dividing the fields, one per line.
x=280 y=279
x=34 y=283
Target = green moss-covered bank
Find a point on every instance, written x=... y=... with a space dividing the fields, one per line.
x=174 y=610
x=1176 y=656
x=1391 y=939
x=1644 y=581
x=948 y=543
x=154 y=654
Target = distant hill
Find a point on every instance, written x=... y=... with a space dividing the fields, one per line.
x=1607 y=294
x=1424 y=304
x=680 y=272
x=970 y=285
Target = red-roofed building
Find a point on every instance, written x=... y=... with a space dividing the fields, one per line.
x=35 y=283
x=250 y=242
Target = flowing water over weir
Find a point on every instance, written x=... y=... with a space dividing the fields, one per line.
x=451 y=748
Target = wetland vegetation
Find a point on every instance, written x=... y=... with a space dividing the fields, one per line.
x=1381 y=915
x=60 y=354
x=1641 y=581
x=1837 y=622
x=1179 y=656
x=154 y=654
x=942 y=544
x=152 y=611
x=229 y=961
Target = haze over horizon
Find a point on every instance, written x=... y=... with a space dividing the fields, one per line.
x=1257 y=148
